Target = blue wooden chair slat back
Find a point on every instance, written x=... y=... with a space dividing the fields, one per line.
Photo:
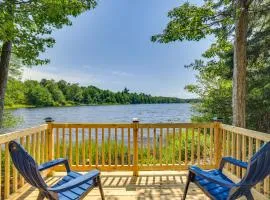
x=258 y=166
x=258 y=169
x=26 y=165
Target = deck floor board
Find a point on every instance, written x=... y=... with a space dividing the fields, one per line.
x=152 y=185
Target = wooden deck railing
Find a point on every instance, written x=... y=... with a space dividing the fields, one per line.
x=131 y=147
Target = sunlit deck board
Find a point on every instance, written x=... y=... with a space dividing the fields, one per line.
x=123 y=186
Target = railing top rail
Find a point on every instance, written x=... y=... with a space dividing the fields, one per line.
x=246 y=132
x=130 y=125
x=21 y=133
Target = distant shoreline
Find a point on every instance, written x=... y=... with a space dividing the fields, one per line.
x=79 y=105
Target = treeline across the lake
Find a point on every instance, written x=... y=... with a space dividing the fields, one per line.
x=62 y=93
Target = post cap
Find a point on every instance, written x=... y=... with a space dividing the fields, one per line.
x=48 y=119
x=217 y=119
x=135 y=120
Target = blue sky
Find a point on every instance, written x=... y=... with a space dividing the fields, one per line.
x=110 y=47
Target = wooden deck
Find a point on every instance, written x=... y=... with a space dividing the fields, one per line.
x=123 y=186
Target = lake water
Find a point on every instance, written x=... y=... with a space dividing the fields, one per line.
x=110 y=113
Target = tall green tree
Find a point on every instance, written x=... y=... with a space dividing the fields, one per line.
x=225 y=20
x=26 y=27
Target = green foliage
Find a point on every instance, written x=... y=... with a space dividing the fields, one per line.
x=28 y=24
x=52 y=93
x=10 y=120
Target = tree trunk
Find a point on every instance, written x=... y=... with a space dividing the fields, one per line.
x=4 y=63
x=240 y=64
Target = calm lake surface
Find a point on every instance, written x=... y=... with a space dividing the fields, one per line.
x=109 y=113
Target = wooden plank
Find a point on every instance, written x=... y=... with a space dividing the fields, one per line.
x=103 y=148
x=228 y=147
x=258 y=145
x=4 y=138
x=180 y=146
x=57 y=143
x=199 y=147
x=70 y=146
x=42 y=152
x=211 y=146
x=141 y=147
x=148 y=146
x=238 y=153
x=64 y=142
x=96 y=133
x=167 y=144
x=192 y=146
x=90 y=146
x=173 y=158
x=83 y=147
x=250 y=147
x=160 y=146
x=7 y=173
x=38 y=147
x=77 y=147
x=109 y=147
x=233 y=169
x=122 y=147
x=223 y=142
x=176 y=125
x=14 y=179
x=129 y=146
x=186 y=147
x=244 y=154
x=115 y=149
x=250 y=133
x=154 y=145
x=91 y=125
x=33 y=144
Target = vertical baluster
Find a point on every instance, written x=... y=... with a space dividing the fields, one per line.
x=103 y=148
x=228 y=148
x=115 y=151
x=7 y=173
x=28 y=143
x=223 y=142
x=42 y=152
x=90 y=146
x=186 y=147
x=192 y=146
x=244 y=153
x=238 y=153
x=46 y=153
x=64 y=142
x=128 y=146
x=141 y=160
x=233 y=151
x=180 y=146
x=250 y=147
x=160 y=146
x=204 y=146
x=258 y=143
x=199 y=147
x=154 y=146
x=122 y=147
x=33 y=140
x=109 y=146
x=77 y=147
x=83 y=147
x=96 y=132
x=15 y=179
x=173 y=156
x=211 y=146
x=148 y=146
x=70 y=146
x=166 y=147
x=57 y=143
x=38 y=147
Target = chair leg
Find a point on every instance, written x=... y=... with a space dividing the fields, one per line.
x=100 y=188
x=249 y=195
x=189 y=178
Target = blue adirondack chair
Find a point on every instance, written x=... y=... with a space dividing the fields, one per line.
x=72 y=186
x=219 y=187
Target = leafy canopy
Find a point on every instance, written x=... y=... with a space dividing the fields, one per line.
x=29 y=23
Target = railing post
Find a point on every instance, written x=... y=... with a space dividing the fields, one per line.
x=135 y=146
x=218 y=141
x=50 y=137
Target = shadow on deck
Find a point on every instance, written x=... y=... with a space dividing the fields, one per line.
x=123 y=186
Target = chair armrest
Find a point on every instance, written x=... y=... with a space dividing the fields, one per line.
x=233 y=161
x=76 y=182
x=206 y=175
x=53 y=163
